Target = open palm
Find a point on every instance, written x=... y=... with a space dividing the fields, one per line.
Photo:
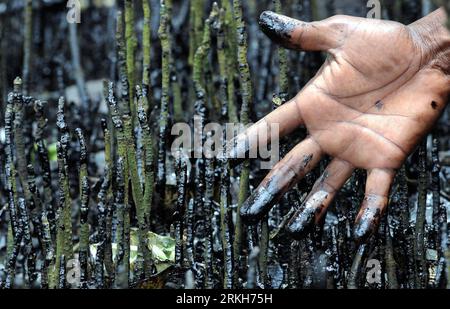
x=377 y=95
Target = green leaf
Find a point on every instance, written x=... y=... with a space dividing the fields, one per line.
x=52 y=153
x=162 y=248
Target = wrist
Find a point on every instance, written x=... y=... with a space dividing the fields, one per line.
x=433 y=39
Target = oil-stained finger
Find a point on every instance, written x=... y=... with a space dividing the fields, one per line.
x=375 y=203
x=297 y=163
x=316 y=204
x=275 y=125
x=295 y=34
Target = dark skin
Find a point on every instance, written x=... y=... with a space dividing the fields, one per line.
x=380 y=91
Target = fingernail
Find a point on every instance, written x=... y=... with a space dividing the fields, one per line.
x=310 y=213
x=366 y=225
x=256 y=206
x=277 y=27
x=301 y=223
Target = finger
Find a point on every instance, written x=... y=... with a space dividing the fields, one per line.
x=321 y=196
x=297 y=163
x=295 y=34
x=375 y=203
x=278 y=123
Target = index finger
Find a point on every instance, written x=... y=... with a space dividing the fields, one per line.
x=285 y=119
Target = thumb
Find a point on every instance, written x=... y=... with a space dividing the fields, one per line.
x=295 y=34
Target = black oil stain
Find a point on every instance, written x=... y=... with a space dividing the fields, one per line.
x=257 y=205
x=367 y=224
x=305 y=219
x=379 y=105
x=268 y=194
x=324 y=177
x=277 y=27
x=301 y=223
x=307 y=159
x=434 y=105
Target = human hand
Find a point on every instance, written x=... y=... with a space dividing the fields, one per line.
x=380 y=91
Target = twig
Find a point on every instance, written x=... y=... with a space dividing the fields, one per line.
x=84 y=212
x=355 y=270
x=253 y=268
x=247 y=100
x=146 y=45
x=102 y=210
x=164 y=109
x=64 y=223
x=131 y=44
x=419 y=245
x=27 y=48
